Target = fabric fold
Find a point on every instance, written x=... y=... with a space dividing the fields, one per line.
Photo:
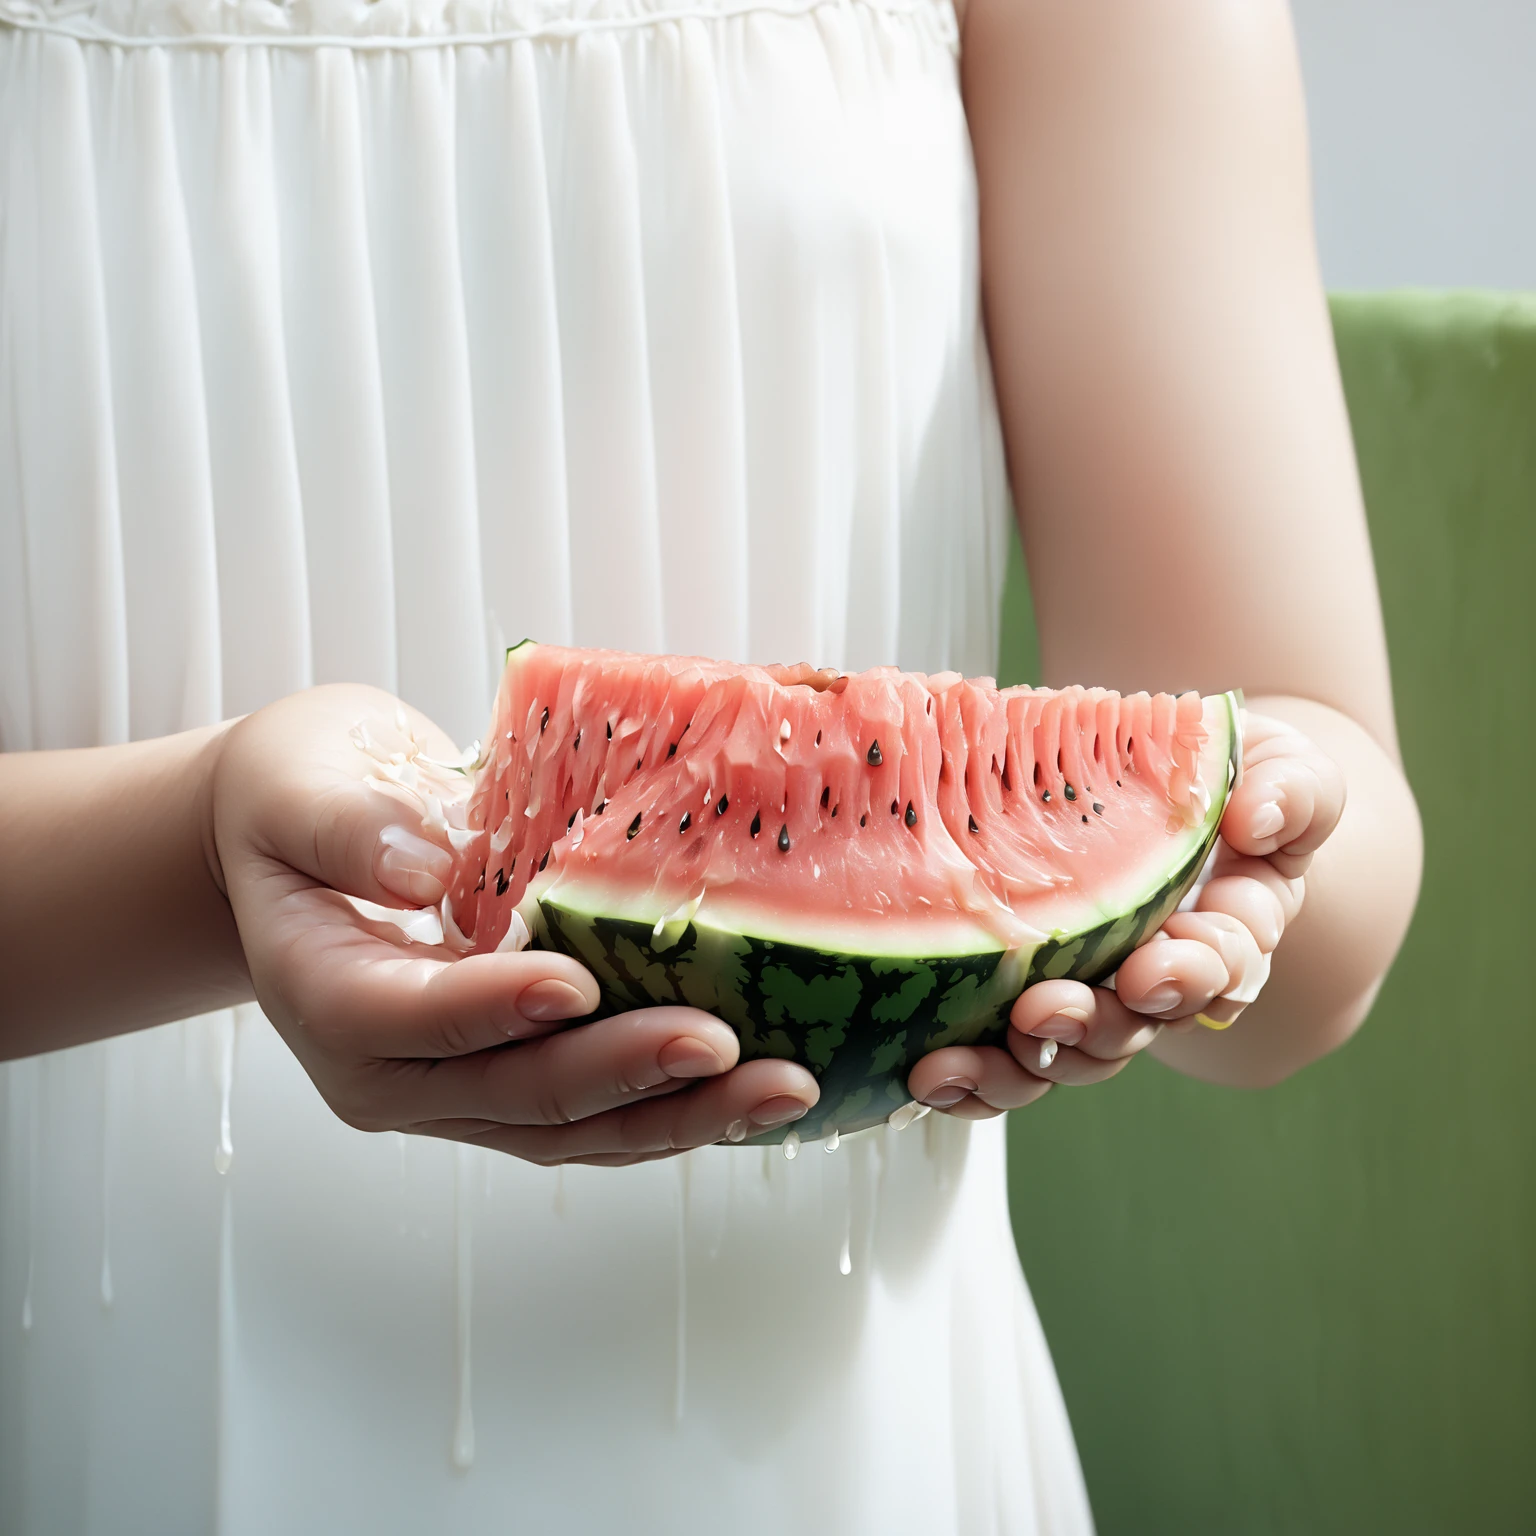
x=335 y=375
x=610 y=446
x=174 y=650
x=515 y=349
x=410 y=171
x=60 y=371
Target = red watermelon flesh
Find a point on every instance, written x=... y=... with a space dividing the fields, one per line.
x=806 y=806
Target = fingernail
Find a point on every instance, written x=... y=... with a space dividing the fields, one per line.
x=779 y=1110
x=686 y=1057
x=1159 y=999
x=1066 y=1027
x=543 y=1001
x=1048 y=1049
x=950 y=1092
x=412 y=867
x=1268 y=819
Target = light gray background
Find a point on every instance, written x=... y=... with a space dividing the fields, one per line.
x=1423 y=117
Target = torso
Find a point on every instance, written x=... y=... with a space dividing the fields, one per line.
x=352 y=340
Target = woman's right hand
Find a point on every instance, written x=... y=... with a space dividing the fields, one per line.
x=411 y=1037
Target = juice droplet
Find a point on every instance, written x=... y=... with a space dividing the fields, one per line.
x=834 y=1141
x=900 y=1119
x=791 y=1146
x=845 y=1259
x=224 y=1153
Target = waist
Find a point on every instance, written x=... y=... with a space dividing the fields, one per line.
x=376 y=24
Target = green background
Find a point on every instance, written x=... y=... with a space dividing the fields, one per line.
x=1314 y=1309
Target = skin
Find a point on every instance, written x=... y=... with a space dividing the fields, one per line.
x=1170 y=397
x=1170 y=402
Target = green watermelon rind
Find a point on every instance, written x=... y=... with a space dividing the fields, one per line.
x=858 y=1022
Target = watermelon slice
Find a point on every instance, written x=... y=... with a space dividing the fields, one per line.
x=850 y=871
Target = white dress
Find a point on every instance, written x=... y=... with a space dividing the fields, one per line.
x=348 y=341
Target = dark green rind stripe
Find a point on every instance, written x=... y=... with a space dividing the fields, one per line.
x=858 y=1022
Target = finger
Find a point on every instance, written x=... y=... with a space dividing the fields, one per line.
x=367 y=810
x=1247 y=968
x=359 y=993
x=755 y=1097
x=1074 y=1066
x=1249 y=902
x=988 y=1076
x=572 y=1075
x=1069 y=1015
x=1288 y=801
x=1289 y=890
x=1089 y=1040
x=1169 y=978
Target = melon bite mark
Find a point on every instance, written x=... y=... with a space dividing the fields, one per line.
x=851 y=871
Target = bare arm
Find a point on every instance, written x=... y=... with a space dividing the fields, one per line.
x=110 y=917
x=1176 y=432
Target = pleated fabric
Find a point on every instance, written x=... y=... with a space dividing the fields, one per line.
x=348 y=341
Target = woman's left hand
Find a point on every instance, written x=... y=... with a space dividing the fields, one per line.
x=1201 y=969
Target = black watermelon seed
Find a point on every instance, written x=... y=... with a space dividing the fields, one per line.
x=544 y=720
x=872 y=757
x=672 y=750
x=895 y=807
x=911 y=815
x=1118 y=784
x=1098 y=810
x=818 y=738
x=576 y=745
x=610 y=730
x=501 y=882
x=634 y=827
x=826 y=795
x=686 y=822
x=512 y=867
x=480 y=883
x=1071 y=793
x=784 y=839
x=720 y=805
x=637 y=764
x=863 y=820
x=974 y=827
x=1085 y=821
x=602 y=805
x=544 y=861
x=1046 y=797
x=572 y=822
x=757 y=823
x=834 y=813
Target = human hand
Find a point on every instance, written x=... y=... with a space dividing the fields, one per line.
x=399 y=1031
x=1202 y=968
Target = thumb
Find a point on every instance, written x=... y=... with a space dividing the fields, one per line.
x=333 y=783
x=372 y=845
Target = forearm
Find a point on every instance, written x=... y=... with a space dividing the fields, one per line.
x=1360 y=893
x=111 y=918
